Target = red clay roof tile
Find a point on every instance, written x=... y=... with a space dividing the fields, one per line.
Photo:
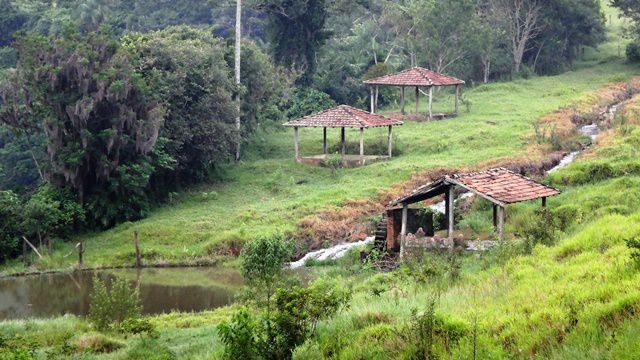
x=343 y=116
x=415 y=76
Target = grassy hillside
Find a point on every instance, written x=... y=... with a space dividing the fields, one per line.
x=575 y=298
x=268 y=192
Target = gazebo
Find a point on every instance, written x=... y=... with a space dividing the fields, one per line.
x=414 y=77
x=500 y=186
x=343 y=117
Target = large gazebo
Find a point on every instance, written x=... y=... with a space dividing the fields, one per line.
x=414 y=77
x=343 y=117
x=499 y=186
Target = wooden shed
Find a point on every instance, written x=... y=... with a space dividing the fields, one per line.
x=500 y=186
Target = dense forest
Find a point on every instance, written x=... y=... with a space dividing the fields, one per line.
x=109 y=106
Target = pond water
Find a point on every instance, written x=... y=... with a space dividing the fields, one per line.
x=161 y=290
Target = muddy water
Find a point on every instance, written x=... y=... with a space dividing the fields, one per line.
x=161 y=290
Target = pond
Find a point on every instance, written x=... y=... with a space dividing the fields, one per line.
x=161 y=290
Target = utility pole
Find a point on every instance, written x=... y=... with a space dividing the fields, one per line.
x=237 y=67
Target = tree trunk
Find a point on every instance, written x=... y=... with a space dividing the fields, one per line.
x=237 y=72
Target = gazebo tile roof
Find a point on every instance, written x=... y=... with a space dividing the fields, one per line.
x=343 y=116
x=415 y=76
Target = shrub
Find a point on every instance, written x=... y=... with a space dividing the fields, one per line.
x=307 y=101
x=539 y=229
x=98 y=343
x=238 y=336
x=138 y=326
x=150 y=349
x=634 y=245
x=110 y=308
x=566 y=215
x=633 y=51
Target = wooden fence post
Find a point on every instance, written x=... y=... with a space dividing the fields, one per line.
x=138 y=256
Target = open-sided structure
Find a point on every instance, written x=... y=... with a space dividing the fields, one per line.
x=499 y=186
x=342 y=117
x=414 y=77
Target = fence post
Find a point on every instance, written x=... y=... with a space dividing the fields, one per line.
x=80 y=254
x=137 y=240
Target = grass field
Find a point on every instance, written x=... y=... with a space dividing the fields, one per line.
x=269 y=193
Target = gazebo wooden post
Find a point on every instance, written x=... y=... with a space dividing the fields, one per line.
x=450 y=206
x=361 y=142
x=457 y=98
x=544 y=202
x=417 y=99
x=402 y=100
x=295 y=142
x=390 y=141
x=342 y=145
x=430 y=102
x=501 y=222
x=403 y=229
x=373 y=105
x=324 y=142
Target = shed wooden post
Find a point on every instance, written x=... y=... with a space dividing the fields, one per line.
x=80 y=253
x=457 y=98
x=417 y=99
x=450 y=203
x=362 y=142
x=295 y=142
x=342 y=145
x=430 y=102
x=501 y=222
x=324 y=141
x=403 y=231
x=373 y=105
x=544 y=202
x=402 y=100
x=495 y=217
x=390 y=141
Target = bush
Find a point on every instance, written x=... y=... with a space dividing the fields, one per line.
x=539 y=229
x=633 y=51
x=307 y=101
x=111 y=308
x=10 y=215
x=238 y=336
x=138 y=326
x=634 y=245
x=99 y=343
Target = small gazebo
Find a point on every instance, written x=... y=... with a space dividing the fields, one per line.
x=415 y=77
x=343 y=117
x=499 y=186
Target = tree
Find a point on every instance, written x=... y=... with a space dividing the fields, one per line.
x=10 y=219
x=238 y=48
x=296 y=32
x=522 y=22
x=99 y=121
x=11 y=20
x=262 y=263
x=186 y=70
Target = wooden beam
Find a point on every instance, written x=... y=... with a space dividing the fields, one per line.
x=373 y=105
x=417 y=99
x=402 y=100
x=342 y=141
x=324 y=141
x=501 y=222
x=403 y=231
x=362 y=142
x=451 y=219
x=430 y=102
x=457 y=98
x=295 y=142
x=390 y=141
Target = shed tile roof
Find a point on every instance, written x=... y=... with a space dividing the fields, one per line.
x=501 y=185
x=415 y=76
x=343 y=116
